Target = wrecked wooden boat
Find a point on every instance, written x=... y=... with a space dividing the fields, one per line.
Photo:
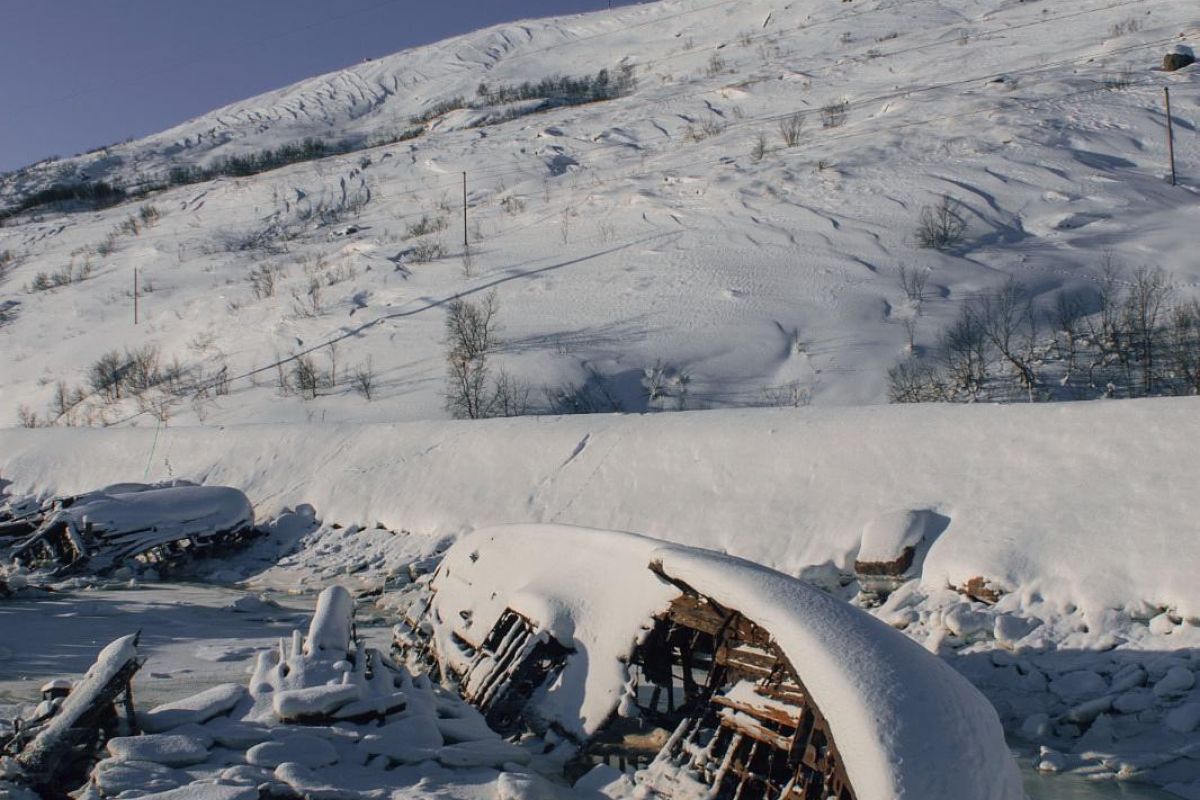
x=54 y=749
x=700 y=672
x=156 y=525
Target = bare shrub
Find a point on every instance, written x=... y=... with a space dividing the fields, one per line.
x=426 y=250
x=309 y=303
x=262 y=280
x=105 y=375
x=564 y=226
x=305 y=376
x=510 y=396
x=942 y=226
x=425 y=226
x=834 y=115
x=149 y=215
x=8 y=260
x=914 y=381
x=788 y=395
x=1131 y=25
x=363 y=380
x=129 y=226
x=665 y=386
x=593 y=396
x=512 y=205
x=759 y=151
x=715 y=66
x=790 y=129
x=27 y=417
x=912 y=283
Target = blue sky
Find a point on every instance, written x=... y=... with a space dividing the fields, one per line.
x=77 y=74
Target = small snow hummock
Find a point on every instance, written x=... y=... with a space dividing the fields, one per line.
x=364 y=718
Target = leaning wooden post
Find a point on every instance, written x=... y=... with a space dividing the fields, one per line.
x=1170 y=133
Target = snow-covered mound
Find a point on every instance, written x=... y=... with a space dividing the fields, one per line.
x=1086 y=505
x=906 y=724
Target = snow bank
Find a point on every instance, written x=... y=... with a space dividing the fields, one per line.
x=905 y=722
x=1053 y=499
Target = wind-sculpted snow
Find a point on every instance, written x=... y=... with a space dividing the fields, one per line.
x=645 y=231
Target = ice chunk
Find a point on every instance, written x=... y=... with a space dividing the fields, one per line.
x=205 y=791
x=160 y=748
x=1177 y=681
x=1079 y=685
x=405 y=740
x=329 y=632
x=313 y=701
x=493 y=753
x=198 y=708
x=236 y=734
x=1183 y=719
x=112 y=777
x=300 y=747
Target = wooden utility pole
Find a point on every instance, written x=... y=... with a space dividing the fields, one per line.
x=465 y=245
x=135 y=296
x=1170 y=134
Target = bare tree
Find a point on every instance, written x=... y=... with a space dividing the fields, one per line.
x=912 y=282
x=942 y=226
x=914 y=381
x=1141 y=315
x=759 y=151
x=363 y=380
x=1185 y=346
x=1068 y=320
x=963 y=352
x=304 y=372
x=471 y=337
x=1008 y=323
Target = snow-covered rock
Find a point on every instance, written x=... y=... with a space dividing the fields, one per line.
x=312 y=751
x=172 y=750
x=1178 y=680
x=199 y=708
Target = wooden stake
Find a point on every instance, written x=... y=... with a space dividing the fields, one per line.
x=465 y=245
x=135 y=296
x=1170 y=133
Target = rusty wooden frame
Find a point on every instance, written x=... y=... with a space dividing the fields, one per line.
x=748 y=750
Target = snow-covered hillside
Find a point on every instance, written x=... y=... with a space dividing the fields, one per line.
x=653 y=228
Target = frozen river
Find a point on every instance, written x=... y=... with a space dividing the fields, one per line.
x=192 y=639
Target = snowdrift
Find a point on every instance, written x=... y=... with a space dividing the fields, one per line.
x=1090 y=504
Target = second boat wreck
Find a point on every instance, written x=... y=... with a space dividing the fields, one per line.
x=699 y=674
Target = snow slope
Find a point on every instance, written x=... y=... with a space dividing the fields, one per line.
x=1045 y=500
x=625 y=233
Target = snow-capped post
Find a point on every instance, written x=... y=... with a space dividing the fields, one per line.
x=1170 y=133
